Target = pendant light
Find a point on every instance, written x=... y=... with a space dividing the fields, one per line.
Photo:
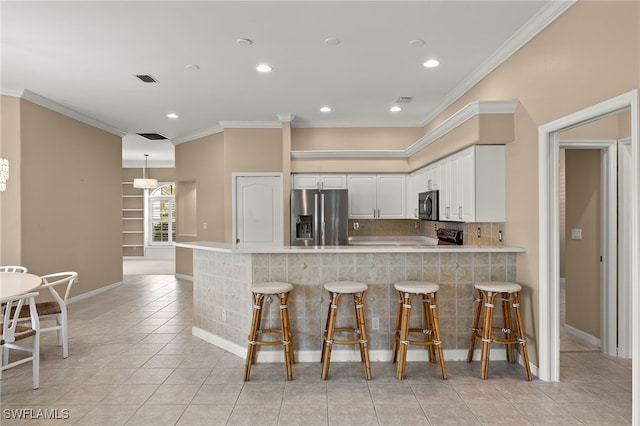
x=145 y=182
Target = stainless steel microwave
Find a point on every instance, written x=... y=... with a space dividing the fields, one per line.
x=428 y=205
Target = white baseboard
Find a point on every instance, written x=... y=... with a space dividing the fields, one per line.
x=582 y=335
x=93 y=292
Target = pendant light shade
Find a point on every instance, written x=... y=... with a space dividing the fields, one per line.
x=145 y=182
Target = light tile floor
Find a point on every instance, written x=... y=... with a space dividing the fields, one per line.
x=133 y=361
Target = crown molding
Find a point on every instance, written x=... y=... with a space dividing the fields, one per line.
x=460 y=117
x=350 y=154
x=543 y=18
x=353 y=124
x=11 y=92
x=54 y=106
x=286 y=118
x=251 y=124
x=201 y=134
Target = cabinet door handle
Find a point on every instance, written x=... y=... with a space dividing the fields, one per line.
x=459 y=212
x=374 y=212
x=378 y=212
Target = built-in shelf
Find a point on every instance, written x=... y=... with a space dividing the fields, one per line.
x=132 y=220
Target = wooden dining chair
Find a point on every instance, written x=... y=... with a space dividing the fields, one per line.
x=14 y=330
x=13 y=268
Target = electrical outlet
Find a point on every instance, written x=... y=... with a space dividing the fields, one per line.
x=375 y=323
x=356 y=226
x=499 y=235
x=223 y=315
x=478 y=233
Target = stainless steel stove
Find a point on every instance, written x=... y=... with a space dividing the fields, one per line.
x=449 y=236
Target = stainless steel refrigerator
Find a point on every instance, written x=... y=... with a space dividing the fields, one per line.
x=319 y=218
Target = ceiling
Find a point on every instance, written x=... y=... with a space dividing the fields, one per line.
x=81 y=58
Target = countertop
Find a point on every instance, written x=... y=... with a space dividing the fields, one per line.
x=357 y=248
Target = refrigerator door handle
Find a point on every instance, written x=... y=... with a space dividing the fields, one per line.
x=316 y=220
x=322 y=223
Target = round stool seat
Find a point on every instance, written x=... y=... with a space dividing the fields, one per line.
x=271 y=288
x=498 y=287
x=416 y=287
x=346 y=287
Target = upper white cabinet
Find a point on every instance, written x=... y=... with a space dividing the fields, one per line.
x=377 y=196
x=319 y=181
x=472 y=185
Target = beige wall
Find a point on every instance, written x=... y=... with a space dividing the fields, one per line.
x=582 y=268
x=249 y=150
x=200 y=195
x=71 y=198
x=10 y=220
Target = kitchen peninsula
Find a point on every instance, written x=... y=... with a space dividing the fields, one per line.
x=223 y=274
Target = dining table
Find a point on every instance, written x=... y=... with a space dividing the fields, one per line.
x=17 y=283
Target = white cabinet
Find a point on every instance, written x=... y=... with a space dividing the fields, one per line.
x=448 y=195
x=377 y=196
x=472 y=185
x=319 y=181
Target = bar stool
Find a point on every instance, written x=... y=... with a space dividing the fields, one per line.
x=487 y=292
x=336 y=289
x=407 y=290
x=259 y=291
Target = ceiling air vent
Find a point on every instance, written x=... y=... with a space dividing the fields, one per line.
x=153 y=136
x=404 y=100
x=146 y=78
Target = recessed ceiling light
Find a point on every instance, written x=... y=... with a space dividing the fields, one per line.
x=192 y=67
x=416 y=43
x=263 y=68
x=244 y=42
x=332 y=41
x=172 y=115
x=395 y=108
x=431 y=63
x=325 y=109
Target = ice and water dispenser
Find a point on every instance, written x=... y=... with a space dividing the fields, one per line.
x=304 y=227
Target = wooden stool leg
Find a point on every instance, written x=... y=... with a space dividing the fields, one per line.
x=362 y=331
x=507 y=326
x=287 y=343
x=256 y=320
x=437 y=342
x=328 y=335
x=487 y=330
x=404 y=335
x=428 y=326
x=521 y=339
x=396 y=332
x=326 y=327
x=474 y=327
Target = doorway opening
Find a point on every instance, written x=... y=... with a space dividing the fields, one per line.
x=549 y=274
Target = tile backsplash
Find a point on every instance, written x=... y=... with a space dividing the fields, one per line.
x=489 y=232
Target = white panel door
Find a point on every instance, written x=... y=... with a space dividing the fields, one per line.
x=259 y=214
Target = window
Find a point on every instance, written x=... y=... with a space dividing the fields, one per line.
x=163 y=215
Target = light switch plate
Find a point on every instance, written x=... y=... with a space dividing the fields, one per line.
x=576 y=233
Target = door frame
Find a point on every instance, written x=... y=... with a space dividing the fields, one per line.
x=548 y=153
x=608 y=238
x=234 y=180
